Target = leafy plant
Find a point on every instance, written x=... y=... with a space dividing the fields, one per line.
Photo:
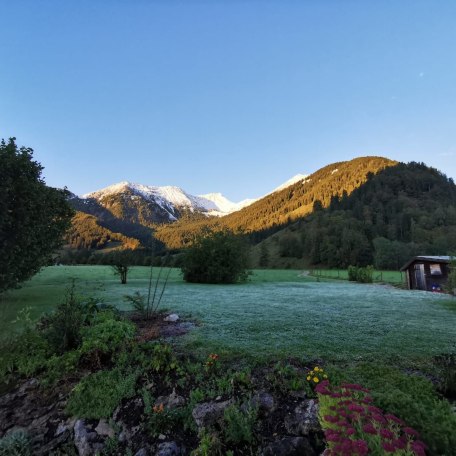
x=209 y=444
x=97 y=395
x=447 y=366
x=148 y=304
x=286 y=378
x=106 y=335
x=62 y=327
x=239 y=424
x=16 y=443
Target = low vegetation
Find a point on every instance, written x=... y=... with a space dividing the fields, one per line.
x=93 y=354
x=110 y=369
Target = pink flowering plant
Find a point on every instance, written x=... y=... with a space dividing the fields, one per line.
x=354 y=426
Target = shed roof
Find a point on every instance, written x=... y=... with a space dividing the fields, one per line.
x=427 y=258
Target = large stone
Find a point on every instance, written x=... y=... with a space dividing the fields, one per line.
x=289 y=446
x=172 y=318
x=104 y=429
x=168 y=449
x=264 y=402
x=172 y=401
x=304 y=420
x=83 y=438
x=141 y=452
x=207 y=413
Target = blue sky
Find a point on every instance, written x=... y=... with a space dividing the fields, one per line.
x=228 y=96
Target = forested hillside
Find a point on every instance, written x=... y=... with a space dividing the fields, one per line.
x=404 y=210
x=86 y=233
x=277 y=209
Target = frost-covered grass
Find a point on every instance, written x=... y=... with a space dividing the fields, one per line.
x=278 y=313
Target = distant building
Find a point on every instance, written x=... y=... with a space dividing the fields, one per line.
x=428 y=273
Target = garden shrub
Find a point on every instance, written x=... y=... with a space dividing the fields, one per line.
x=106 y=334
x=447 y=366
x=63 y=326
x=362 y=275
x=411 y=398
x=97 y=395
x=353 y=425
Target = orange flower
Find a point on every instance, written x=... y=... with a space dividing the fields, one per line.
x=158 y=408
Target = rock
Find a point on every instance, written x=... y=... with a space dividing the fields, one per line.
x=172 y=318
x=28 y=385
x=168 y=449
x=172 y=401
x=207 y=413
x=304 y=420
x=289 y=446
x=264 y=402
x=61 y=428
x=141 y=452
x=82 y=438
x=301 y=394
x=104 y=429
x=49 y=447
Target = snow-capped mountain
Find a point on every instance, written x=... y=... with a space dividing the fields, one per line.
x=171 y=198
x=140 y=202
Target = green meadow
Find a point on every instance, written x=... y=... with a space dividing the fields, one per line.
x=278 y=313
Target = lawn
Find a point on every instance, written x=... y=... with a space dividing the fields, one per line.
x=277 y=313
x=392 y=277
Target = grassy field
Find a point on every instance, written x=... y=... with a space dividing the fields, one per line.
x=278 y=313
x=392 y=277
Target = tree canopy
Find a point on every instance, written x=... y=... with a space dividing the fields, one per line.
x=216 y=257
x=33 y=216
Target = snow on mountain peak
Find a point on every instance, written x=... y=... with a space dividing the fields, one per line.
x=293 y=180
x=172 y=197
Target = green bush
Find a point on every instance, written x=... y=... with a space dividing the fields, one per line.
x=447 y=367
x=362 y=275
x=63 y=327
x=239 y=425
x=216 y=257
x=106 y=334
x=97 y=395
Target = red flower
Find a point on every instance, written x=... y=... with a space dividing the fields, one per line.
x=386 y=434
x=388 y=447
x=418 y=448
x=331 y=418
x=374 y=409
x=370 y=429
x=394 y=419
x=399 y=444
x=378 y=418
x=360 y=446
x=356 y=408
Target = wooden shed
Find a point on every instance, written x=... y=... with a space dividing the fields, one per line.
x=428 y=273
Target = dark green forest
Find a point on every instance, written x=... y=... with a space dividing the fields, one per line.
x=402 y=211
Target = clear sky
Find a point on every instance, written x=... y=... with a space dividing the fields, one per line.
x=225 y=96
